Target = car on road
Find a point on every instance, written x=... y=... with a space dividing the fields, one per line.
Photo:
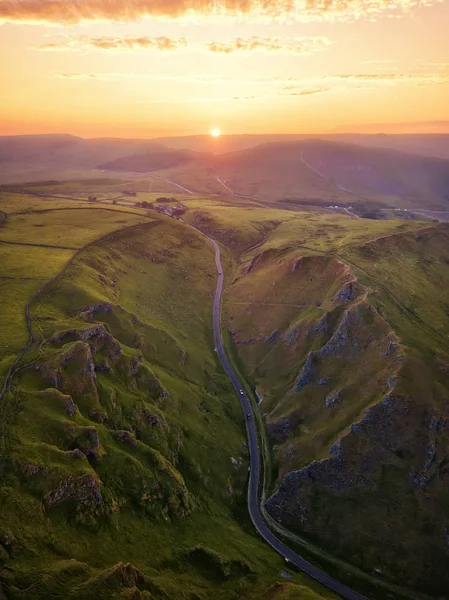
x=241 y=392
x=248 y=417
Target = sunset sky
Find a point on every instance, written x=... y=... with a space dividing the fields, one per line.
x=146 y=68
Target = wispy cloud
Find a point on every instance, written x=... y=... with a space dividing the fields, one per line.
x=260 y=89
x=77 y=43
x=305 y=45
x=395 y=78
x=294 y=85
x=82 y=42
x=82 y=76
x=305 y=92
x=75 y=11
x=377 y=62
x=198 y=100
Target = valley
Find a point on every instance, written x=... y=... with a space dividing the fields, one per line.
x=124 y=458
x=110 y=422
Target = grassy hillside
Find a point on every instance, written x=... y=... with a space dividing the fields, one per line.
x=388 y=176
x=336 y=173
x=343 y=332
x=34 y=247
x=123 y=462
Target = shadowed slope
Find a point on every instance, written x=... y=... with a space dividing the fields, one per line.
x=349 y=354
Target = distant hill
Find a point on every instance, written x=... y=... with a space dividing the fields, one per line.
x=317 y=171
x=153 y=160
x=37 y=156
x=436 y=145
x=310 y=171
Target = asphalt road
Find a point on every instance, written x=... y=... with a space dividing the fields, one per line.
x=253 y=446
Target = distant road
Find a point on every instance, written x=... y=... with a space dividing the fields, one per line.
x=184 y=189
x=309 y=166
x=351 y=213
x=231 y=191
x=253 y=446
x=326 y=179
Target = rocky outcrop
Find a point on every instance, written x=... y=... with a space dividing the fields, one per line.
x=84 y=492
x=350 y=339
x=73 y=373
x=333 y=398
x=362 y=467
x=88 y=313
x=87 y=440
x=347 y=293
x=70 y=406
x=307 y=372
x=125 y=437
x=279 y=430
x=434 y=456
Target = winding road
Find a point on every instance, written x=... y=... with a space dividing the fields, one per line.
x=253 y=446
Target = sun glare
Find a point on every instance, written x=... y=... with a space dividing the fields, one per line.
x=215 y=133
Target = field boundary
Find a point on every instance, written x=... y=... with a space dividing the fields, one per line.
x=38 y=245
x=90 y=206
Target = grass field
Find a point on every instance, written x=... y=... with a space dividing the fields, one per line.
x=73 y=228
x=331 y=233
x=19 y=202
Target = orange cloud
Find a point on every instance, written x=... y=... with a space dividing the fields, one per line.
x=305 y=45
x=305 y=92
x=75 y=11
x=83 y=76
x=387 y=78
x=81 y=42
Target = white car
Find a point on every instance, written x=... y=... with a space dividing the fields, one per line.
x=241 y=392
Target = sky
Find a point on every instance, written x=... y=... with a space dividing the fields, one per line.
x=150 y=68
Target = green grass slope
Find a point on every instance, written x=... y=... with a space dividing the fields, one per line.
x=123 y=462
x=34 y=246
x=343 y=332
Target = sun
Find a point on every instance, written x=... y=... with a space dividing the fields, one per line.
x=215 y=133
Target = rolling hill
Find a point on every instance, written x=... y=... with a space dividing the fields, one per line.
x=334 y=173
x=319 y=172
x=155 y=160
x=436 y=145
